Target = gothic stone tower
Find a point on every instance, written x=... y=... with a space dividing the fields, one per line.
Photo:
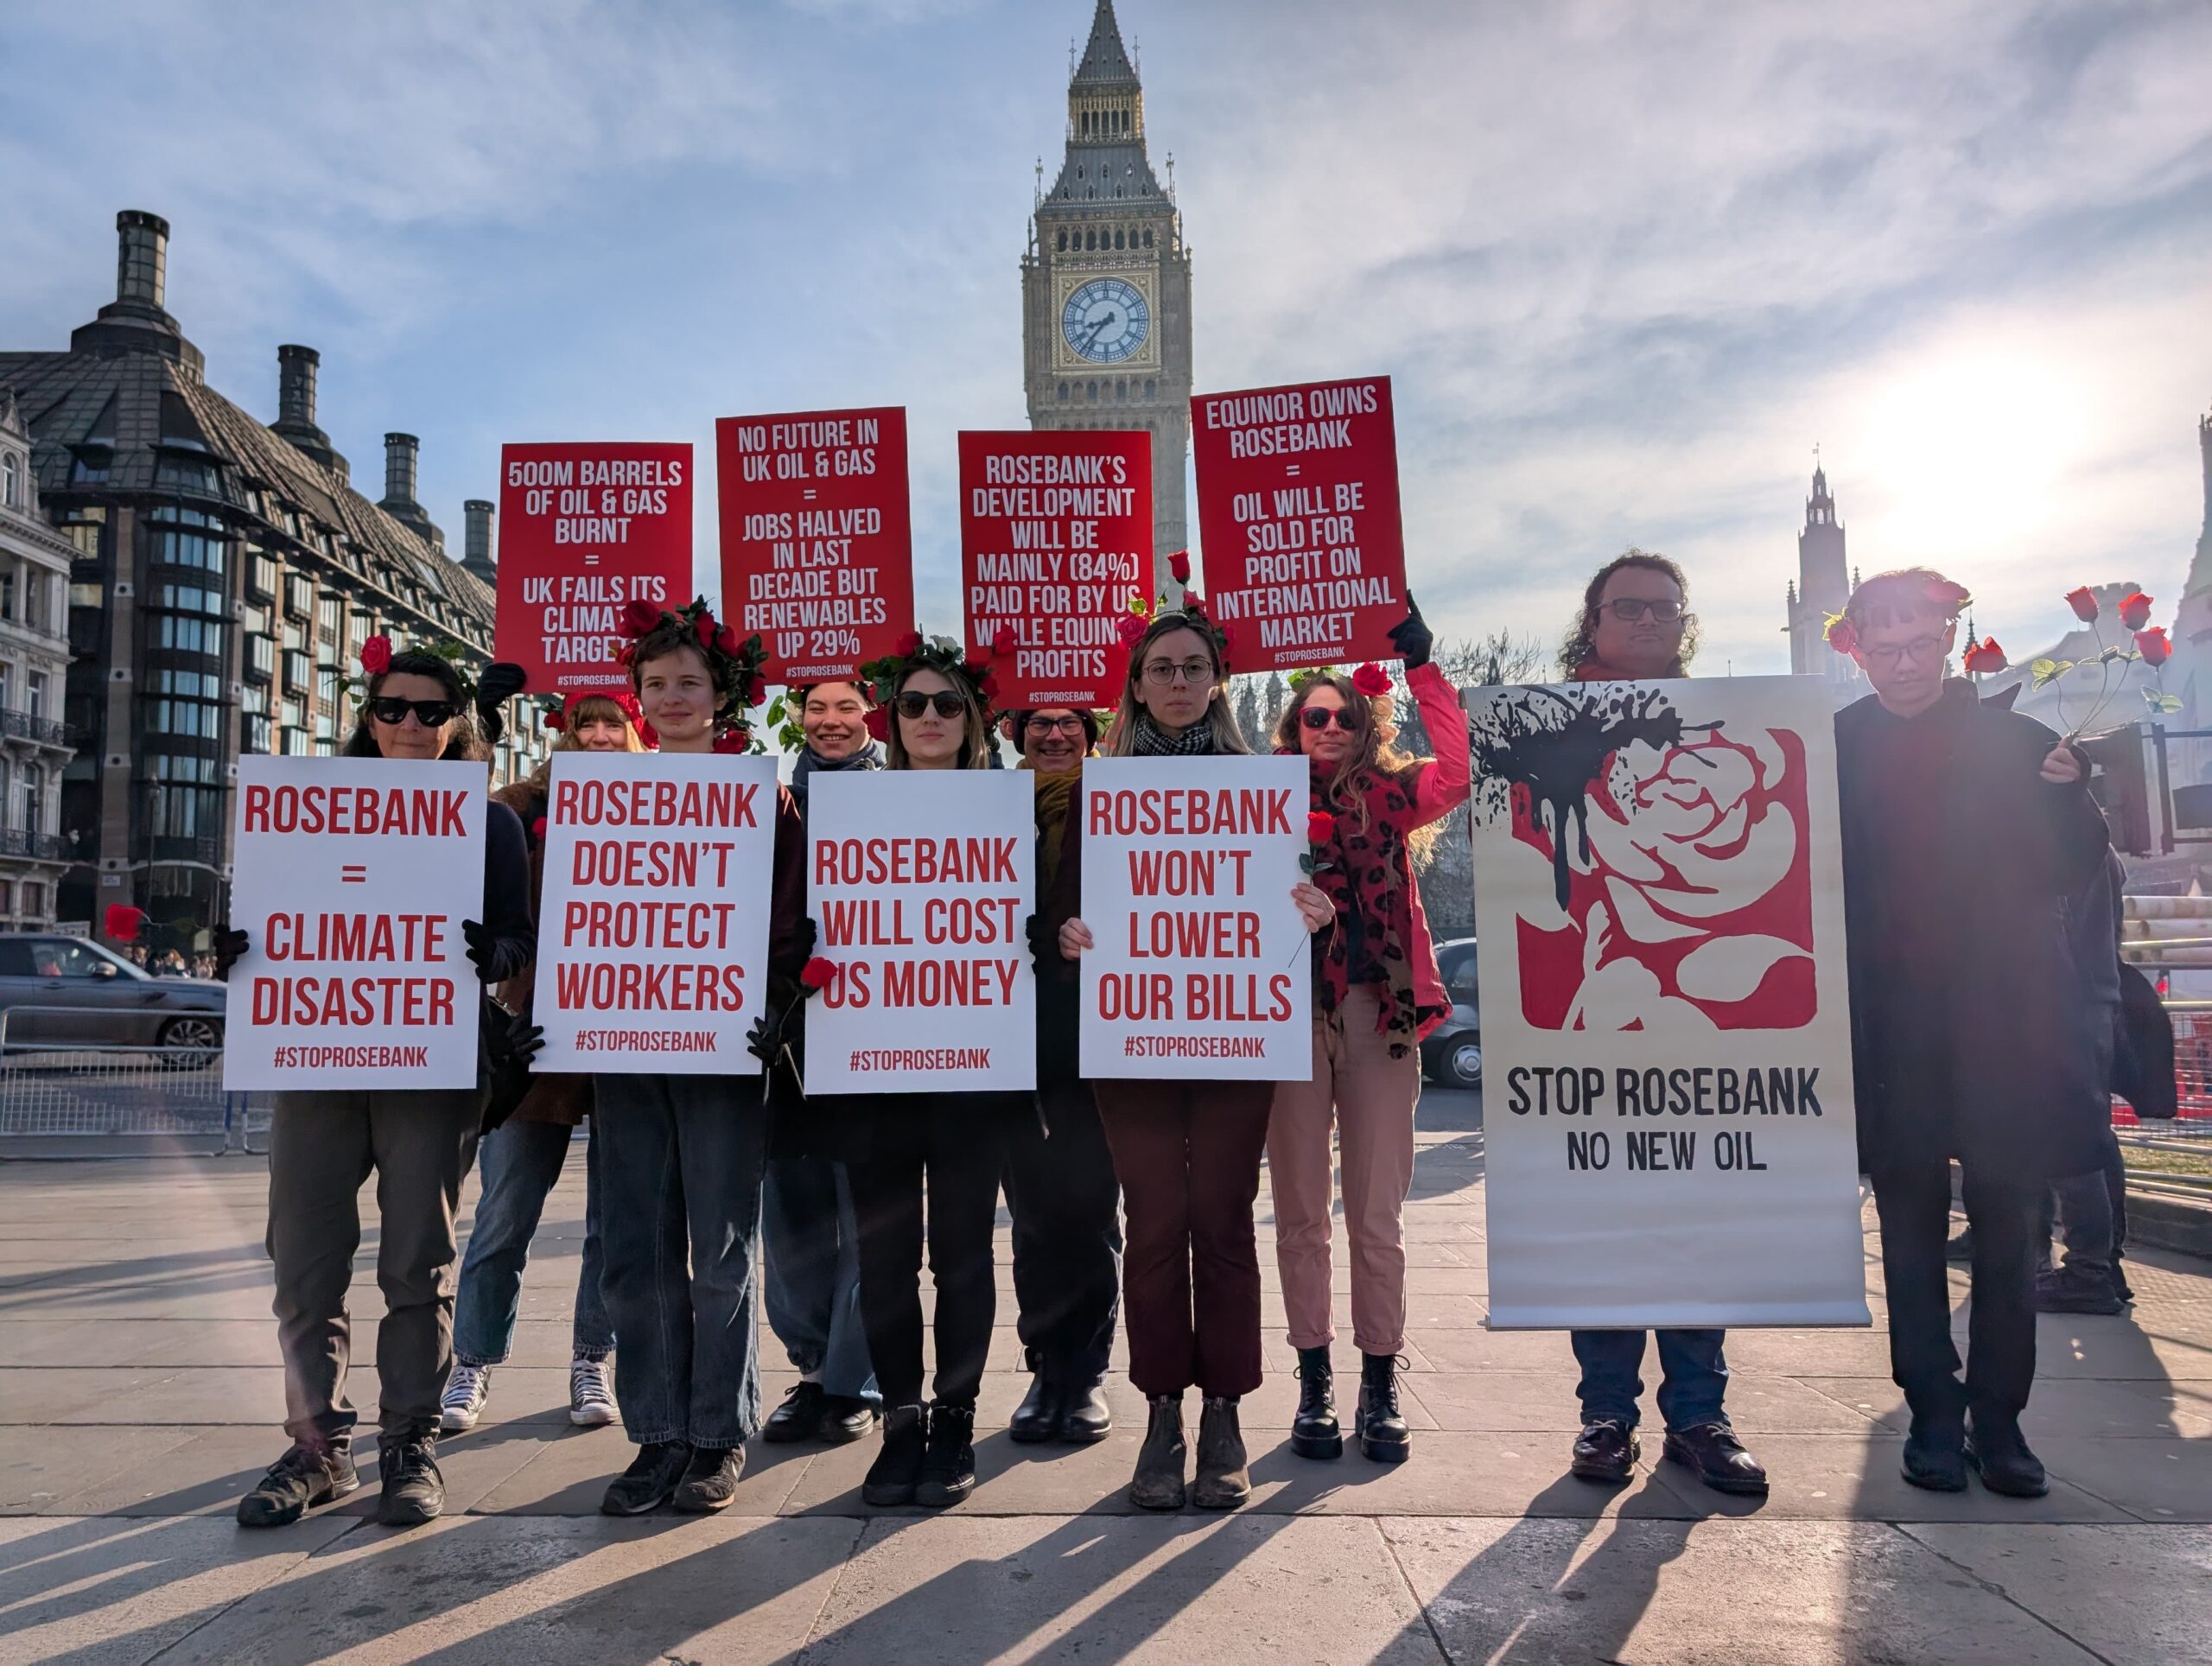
x=1106 y=285
x=1824 y=586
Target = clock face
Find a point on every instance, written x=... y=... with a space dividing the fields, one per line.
x=1106 y=321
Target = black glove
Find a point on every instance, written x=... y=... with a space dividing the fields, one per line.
x=483 y=949
x=512 y=1044
x=765 y=1039
x=230 y=945
x=1043 y=950
x=1411 y=636
x=524 y=1041
x=502 y=680
x=805 y=938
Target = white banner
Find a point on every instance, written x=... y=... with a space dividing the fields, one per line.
x=652 y=933
x=920 y=883
x=352 y=876
x=1201 y=969
x=1669 y=1129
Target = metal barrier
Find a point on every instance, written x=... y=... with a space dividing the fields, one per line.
x=78 y=1088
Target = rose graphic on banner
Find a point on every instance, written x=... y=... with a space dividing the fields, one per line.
x=1678 y=857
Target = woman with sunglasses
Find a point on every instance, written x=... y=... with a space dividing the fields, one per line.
x=519 y=1161
x=927 y=1162
x=1376 y=992
x=1187 y=1152
x=418 y=1142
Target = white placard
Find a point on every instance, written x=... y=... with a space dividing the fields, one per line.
x=1668 y=1126
x=652 y=931
x=1201 y=969
x=352 y=877
x=919 y=883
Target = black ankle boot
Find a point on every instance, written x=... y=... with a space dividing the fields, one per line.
x=949 y=1469
x=1313 y=1431
x=1223 y=1481
x=1162 y=1461
x=1384 y=1436
x=897 y=1469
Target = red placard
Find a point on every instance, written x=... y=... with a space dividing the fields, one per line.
x=1055 y=544
x=585 y=529
x=818 y=541
x=1297 y=503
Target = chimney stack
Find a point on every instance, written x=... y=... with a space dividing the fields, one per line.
x=295 y=368
x=142 y=257
x=476 y=545
x=399 y=451
x=134 y=320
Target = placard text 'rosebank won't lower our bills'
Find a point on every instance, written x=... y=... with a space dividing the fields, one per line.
x=652 y=938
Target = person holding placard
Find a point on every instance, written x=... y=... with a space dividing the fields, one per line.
x=323 y=1145
x=811 y=1281
x=1635 y=626
x=682 y=1154
x=1060 y=1188
x=928 y=1154
x=1187 y=1152
x=1376 y=992
x=519 y=1161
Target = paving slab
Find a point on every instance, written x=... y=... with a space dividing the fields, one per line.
x=567 y=1473
x=1545 y=1400
x=2137 y=1594
x=2057 y=1405
x=2153 y=1480
x=38 y=1467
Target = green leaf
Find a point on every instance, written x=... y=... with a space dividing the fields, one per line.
x=2160 y=701
x=2047 y=671
x=775 y=714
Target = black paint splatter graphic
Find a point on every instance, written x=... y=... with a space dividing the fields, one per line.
x=1559 y=743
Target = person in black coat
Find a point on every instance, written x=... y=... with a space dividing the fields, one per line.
x=1965 y=830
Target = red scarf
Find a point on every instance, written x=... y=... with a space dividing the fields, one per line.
x=1367 y=865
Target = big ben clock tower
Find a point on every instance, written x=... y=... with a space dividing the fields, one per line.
x=1106 y=284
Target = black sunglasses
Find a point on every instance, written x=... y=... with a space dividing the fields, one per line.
x=1320 y=717
x=913 y=703
x=431 y=713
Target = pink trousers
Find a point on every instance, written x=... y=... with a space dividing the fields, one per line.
x=1367 y=1097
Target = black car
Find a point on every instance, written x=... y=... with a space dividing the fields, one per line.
x=1452 y=1056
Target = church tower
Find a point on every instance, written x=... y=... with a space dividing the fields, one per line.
x=1824 y=586
x=1106 y=284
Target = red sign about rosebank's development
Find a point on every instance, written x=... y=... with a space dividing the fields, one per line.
x=1199 y=966
x=584 y=530
x=818 y=542
x=1298 y=504
x=652 y=938
x=918 y=882
x=1055 y=545
x=352 y=877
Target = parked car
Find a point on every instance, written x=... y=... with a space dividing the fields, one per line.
x=1453 y=1055
x=69 y=992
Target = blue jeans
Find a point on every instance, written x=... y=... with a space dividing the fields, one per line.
x=1694 y=1381
x=682 y=1159
x=811 y=1285
x=518 y=1164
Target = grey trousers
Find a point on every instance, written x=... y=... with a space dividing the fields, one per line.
x=322 y=1147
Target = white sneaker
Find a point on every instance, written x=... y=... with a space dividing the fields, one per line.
x=467 y=1391
x=591 y=1394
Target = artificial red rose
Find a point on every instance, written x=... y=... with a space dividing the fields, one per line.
x=988 y=686
x=704 y=625
x=1179 y=565
x=2135 y=611
x=1843 y=635
x=2153 y=646
x=1193 y=602
x=626 y=654
x=558 y=721
x=538 y=829
x=2084 y=601
x=726 y=639
x=1005 y=640
x=375 y=655
x=122 y=921
x=879 y=722
x=818 y=972
x=732 y=740
x=1371 y=680
x=639 y=617
x=1320 y=828
x=1131 y=630
x=1985 y=658
x=908 y=646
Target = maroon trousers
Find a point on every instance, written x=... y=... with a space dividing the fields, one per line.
x=1187 y=1154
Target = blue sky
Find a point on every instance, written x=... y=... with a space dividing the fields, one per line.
x=1627 y=264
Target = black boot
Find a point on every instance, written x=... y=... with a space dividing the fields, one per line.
x=1085 y=1415
x=898 y=1468
x=1224 y=1482
x=948 y=1466
x=1037 y=1417
x=1161 y=1461
x=2001 y=1458
x=1313 y=1431
x=1384 y=1436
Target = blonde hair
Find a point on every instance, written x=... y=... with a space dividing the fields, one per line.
x=1121 y=739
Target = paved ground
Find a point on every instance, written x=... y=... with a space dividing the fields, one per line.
x=140 y=1391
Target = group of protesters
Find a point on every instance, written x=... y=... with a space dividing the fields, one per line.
x=1970 y=843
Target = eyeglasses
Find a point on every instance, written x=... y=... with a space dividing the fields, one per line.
x=430 y=714
x=1318 y=718
x=1069 y=725
x=913 y=702
x=1922 y=650
x=1629 y=609
x=1161 y=672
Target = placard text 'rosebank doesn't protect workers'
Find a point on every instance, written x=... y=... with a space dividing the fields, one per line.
x=1298 y=504
x=585 y=530
x=1200 y=968
x=352 y=877
x=653 y=936
x=920 y=883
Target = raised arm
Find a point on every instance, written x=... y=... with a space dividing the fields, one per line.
x=1446 y=779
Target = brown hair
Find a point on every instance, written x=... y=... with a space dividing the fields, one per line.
x=675 y=635
x=586 y=708
x=465 y=740
x=976 y=724
x=1375 y=733
x=1582 y=641
x=1122 y=737
x=1908 y=592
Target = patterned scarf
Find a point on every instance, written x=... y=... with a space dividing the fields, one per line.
x=1367 y=866
x=1054 y=795
x=1153 y=741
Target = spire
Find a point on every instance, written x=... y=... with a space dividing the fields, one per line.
x=1104 y=61
x=1106 y=160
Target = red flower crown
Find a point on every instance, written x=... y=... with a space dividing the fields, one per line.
x=735 y=665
